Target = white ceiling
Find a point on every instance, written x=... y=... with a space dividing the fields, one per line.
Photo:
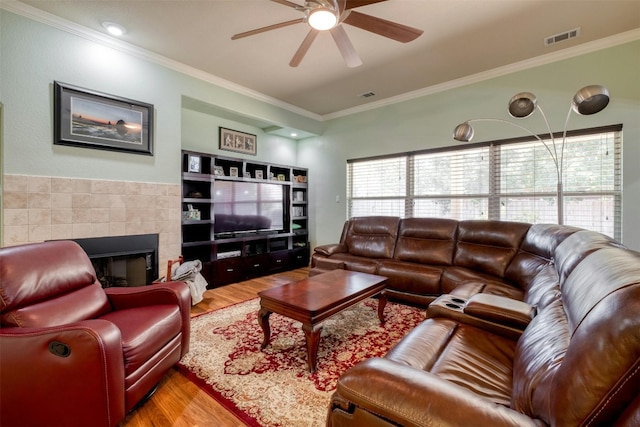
x=461 y=38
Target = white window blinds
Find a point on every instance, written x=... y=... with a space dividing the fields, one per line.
x=514 y=180
x=451 y=184
x=378 y=187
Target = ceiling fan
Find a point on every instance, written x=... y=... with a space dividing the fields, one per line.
x=329 y=15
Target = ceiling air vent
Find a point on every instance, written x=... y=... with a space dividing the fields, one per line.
x=548 y=41
x=367 y=95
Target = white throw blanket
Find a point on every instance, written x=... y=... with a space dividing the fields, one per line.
x=189 y=272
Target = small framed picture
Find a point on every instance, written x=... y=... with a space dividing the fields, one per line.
x=194 y=164
x=259 y=174
x=218 y=171
x=281 y=177
x=233 y=171
x=240 y=142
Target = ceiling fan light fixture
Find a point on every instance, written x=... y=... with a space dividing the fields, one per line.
x=323 y=15
x=322 y=18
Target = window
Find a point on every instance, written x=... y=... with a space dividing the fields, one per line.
x=452 y=184
x=378 y=187
x=513 y=180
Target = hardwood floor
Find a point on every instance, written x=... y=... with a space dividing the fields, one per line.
x=180 y=403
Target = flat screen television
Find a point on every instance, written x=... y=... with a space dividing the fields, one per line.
x=247 y=207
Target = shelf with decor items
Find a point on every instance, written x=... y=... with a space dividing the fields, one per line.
x=300 y=213
x=243 y=218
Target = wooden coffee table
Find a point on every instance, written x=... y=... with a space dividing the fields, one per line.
x=317 y=298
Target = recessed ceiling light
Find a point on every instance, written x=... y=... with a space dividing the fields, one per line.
x=293 y=134
x=113 y=28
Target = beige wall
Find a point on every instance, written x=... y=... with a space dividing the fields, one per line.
x=38 y=208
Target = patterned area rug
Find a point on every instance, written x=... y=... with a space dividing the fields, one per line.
x=272 y=387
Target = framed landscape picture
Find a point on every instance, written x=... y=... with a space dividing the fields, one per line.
x=240 y=142
x=90 y=119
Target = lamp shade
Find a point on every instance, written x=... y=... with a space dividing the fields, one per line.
x=522 y=105
x=590 y=100
x=463 y=132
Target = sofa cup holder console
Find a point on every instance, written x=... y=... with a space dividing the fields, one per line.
x=504 y=313
x=454 y=303
x=451 y=302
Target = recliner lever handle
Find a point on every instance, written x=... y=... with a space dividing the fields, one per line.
x=59 y=349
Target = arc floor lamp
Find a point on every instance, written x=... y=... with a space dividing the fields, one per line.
x=588 y=100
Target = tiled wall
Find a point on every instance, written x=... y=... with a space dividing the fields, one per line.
x=38 y=208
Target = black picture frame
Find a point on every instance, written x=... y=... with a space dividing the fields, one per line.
x=239 y=142
x=90 y=119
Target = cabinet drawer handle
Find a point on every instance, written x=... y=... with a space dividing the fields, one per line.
x=229 y=270
x=278 y=260
x=256 y=265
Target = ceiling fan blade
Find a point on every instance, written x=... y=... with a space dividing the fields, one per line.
x=267 y=28
x=352 y=4
x=304 y=47
x=382 y=27
x=286 y=3
x=346 y=48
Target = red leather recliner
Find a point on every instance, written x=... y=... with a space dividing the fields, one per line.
x=73 y=353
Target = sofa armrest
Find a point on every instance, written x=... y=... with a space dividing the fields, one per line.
x=500 y=310
x=157 y=293
x=43 y=369
x=411 y=397
x=178 y=293
x=454 y=307
x=330 y=249
x=329 y=264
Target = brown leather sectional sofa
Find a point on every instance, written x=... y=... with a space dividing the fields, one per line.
x=527 y=325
